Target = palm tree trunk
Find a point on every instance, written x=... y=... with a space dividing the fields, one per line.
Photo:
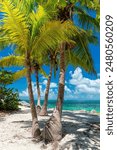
x=61 y=79
x=38 y=88
x=35 y=126
x=43 y=111
x=53 y=128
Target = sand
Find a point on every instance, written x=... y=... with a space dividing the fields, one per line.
x=81 y=131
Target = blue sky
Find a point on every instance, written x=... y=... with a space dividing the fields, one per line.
x=78 y=84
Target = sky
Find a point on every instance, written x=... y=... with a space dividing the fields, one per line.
x=79 y=85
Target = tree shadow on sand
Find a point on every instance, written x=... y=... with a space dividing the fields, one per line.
x=2 y=119
x=22 y=111
x=85 y=128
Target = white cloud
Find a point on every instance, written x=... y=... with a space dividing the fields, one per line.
x=44 y=82
x=90 y=88
x=52 y=92
x=43 y=77
x=24 y=93
x=53 y=85
x=67 y=89
x=77 y=87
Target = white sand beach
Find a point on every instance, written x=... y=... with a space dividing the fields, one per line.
x=81 y=131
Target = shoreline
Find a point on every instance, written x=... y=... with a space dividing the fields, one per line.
x=25 y=103
x=81 y=131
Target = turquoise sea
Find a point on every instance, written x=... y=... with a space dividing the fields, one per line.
x=87 y=105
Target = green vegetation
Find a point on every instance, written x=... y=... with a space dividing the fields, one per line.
x=8 y=98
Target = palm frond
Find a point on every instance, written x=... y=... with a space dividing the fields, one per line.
x=37 y=19
x=52 y=34
x=80 y=53
x=74 y=59
x=12 y=61
x=3 y=44
x=14 y=24
x=50 y=7
x=25 y=6
x=41 y=71
x=86 y=20
x=19 y=74
x=91 y=4
x=4 y=40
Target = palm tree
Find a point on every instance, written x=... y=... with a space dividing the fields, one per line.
x=43 y=111
x=29 y=24
x=36 y=67
x=85 y=20
x=53 y=65
x=23 y=28
x=31 y=33
x=52 y=130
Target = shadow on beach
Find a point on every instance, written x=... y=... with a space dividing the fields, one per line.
x=2 y=119
x=86 y=130
x=81 y=130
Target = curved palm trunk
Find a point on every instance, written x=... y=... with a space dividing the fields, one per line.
x=38 y=91
x=43 y=111
x=60 y=97
x=38 y=88
x=53 y=128
x=35 y=126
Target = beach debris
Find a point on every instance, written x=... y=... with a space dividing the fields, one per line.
x=23 y=103
x=93 y=111
x=53 y=128
x=35 y=129
x=82 y=129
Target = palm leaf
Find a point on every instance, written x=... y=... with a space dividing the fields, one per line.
x=12 y=61
x=80 y=54
x=15 y=24
x=25 y=6
x=85 y=20
x=52 y=34
x=41 y=71
x=38 y=18
x=19 y=74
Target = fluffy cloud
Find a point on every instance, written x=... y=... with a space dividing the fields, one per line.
x=53 y=85
x=52 y=92
x=24 y=93
x=67 y=90
x=76 y=87
x=44 y=82
x=90 y=88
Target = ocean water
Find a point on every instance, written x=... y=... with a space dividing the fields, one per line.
x=87 y=105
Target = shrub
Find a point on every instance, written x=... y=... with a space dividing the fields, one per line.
x=8 y=99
